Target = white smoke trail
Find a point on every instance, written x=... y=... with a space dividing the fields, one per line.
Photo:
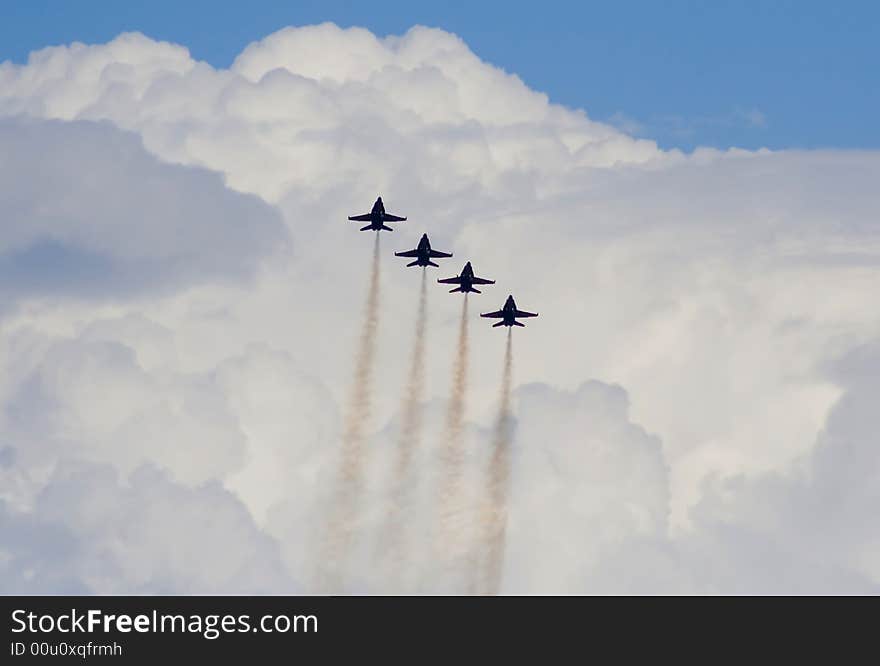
x=393 y=546
x=453 y=538
x=343 y=520
x=495 y=516
x=455 y=416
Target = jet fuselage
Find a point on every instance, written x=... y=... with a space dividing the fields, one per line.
x=377 y=215
x=467 y=278
x=424 y=250
x=509 y=310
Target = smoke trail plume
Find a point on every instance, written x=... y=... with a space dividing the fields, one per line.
x=393 y=542
x=455 y=416
x=452 y=539
x=495 y=518
x=349 y=482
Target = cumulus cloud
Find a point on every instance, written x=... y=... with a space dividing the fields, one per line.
x=592 y=492
x=692 y=401
x=309 y=107
x=91 y=531
x=816 y=521
x=88 y=212
x=586 y=479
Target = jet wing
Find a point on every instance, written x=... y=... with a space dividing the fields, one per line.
x=498 y=314
x=394 y=218
x=455 y=280
x=408 y=253
x=361 y=218
x=477 y=280
x=439 y=255
x=520 y=313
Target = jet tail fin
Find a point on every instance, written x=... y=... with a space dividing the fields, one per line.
x=476 y=291
x=500 y=323
x=413 y=263
x=431 y=263
x=386 y=228
x=452 y=291
x=516 y=323
x=367 y=228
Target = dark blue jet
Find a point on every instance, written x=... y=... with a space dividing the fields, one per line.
x=423 y=254
x=466 y=281
x=377 y=218
x=508 y=314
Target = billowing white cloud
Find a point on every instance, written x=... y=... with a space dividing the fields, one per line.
x=591 y=493
x=314 y=107
x=88 y=212
x=187 y=295
x=90 y=531
x=586 y=480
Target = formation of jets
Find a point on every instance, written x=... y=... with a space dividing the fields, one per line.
x=424 y=253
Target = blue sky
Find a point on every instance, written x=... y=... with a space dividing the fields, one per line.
x=750 y=74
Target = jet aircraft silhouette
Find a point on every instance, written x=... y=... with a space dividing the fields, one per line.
x=466 y=281
x=377 y=218
x=423 y=254
x=508 y=314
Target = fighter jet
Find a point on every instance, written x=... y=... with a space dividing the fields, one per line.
x=466 y=281
x=423 y=254
x=508 y=314
x=377 y=218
